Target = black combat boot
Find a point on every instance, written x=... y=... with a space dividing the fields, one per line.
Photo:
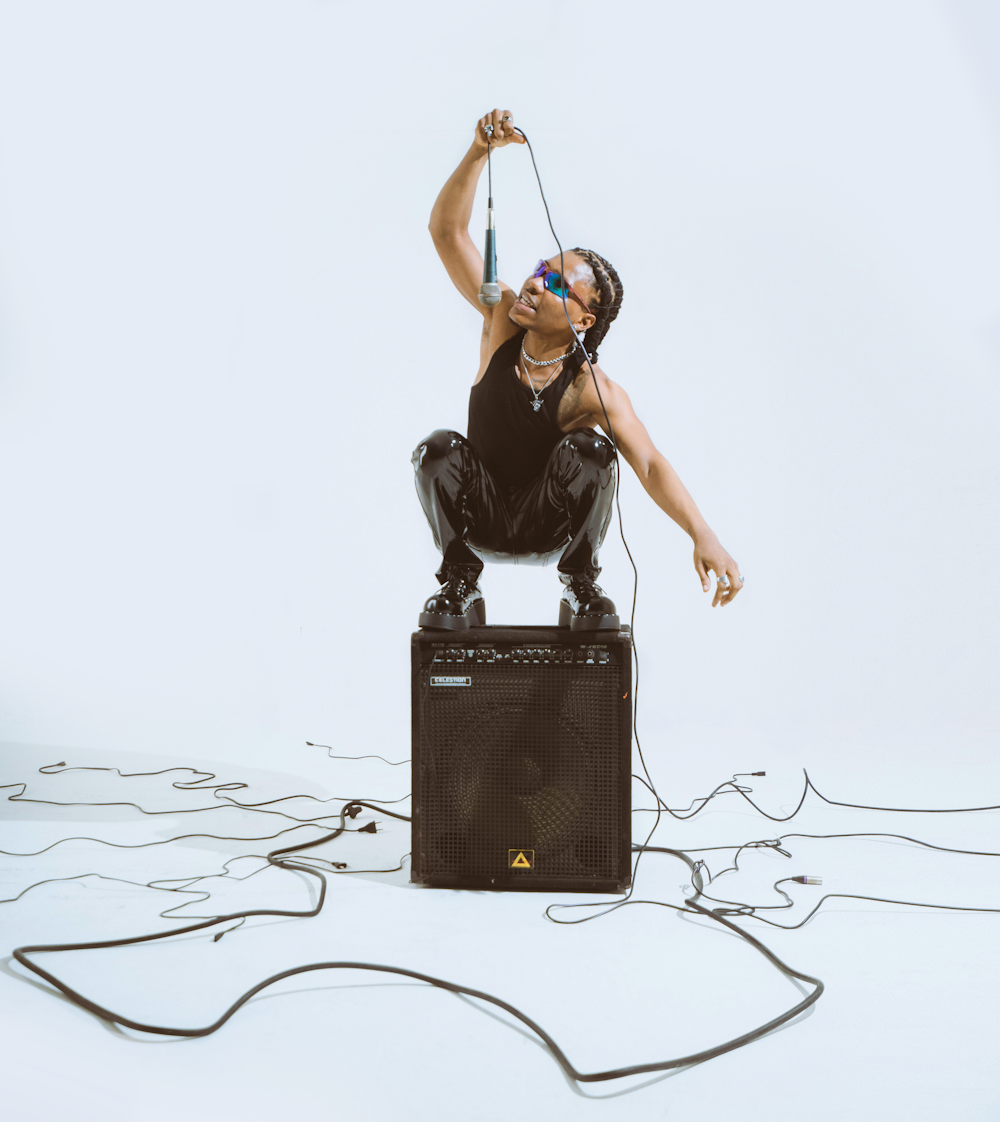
x=584 y=606
x=457 y=605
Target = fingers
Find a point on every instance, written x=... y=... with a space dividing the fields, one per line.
x=728 y=581
x=509 y=132
x=503 y=125
x=721 y=588
x=702 y=573
x=497 y=127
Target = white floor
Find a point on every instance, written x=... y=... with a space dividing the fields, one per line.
x=223 y=327
x=905 y=1030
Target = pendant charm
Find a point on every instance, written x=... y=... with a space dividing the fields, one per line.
x=536 y=405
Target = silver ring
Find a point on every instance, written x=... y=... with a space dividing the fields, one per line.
x=723 y=580
x=505 y=118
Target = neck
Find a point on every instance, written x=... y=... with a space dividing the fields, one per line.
x=544 y=347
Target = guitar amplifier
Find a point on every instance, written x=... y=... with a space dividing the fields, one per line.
x=522 y=759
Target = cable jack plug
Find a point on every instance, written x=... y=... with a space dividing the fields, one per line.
x=760 y=773
x=807 y=880
x=353 y=811
x=369 y=829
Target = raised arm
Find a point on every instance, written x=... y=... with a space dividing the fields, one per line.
x=449 y=224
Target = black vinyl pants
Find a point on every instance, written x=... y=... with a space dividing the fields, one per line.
x=566 y=509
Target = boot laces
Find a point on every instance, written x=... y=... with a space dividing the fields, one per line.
x=462 y=584
x=585 y=588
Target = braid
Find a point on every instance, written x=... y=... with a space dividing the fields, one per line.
x=609 y=301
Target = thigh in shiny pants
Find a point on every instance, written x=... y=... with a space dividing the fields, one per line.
x=563 y=513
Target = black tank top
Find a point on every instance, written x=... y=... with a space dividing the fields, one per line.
x=514 y=441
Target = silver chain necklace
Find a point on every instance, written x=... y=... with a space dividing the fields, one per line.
x=551 y=361
x=537 y=394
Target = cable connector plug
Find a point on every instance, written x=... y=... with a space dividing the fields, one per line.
x=760 y=773
x=369 y=829
x=352 y=811
x=807 y=880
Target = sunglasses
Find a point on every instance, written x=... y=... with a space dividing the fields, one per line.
x=556 y=284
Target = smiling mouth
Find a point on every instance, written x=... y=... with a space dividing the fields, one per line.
x=524 y=303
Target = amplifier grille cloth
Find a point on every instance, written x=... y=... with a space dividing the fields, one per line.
x=526 y=757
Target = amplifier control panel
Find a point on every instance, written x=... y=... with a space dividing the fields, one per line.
x=544 y=655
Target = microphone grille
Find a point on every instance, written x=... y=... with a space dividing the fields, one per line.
x=489 y=295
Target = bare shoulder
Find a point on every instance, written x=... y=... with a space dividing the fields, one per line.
x=580 y=406
x=497 y=329
x=612 y=397
x=583 y=407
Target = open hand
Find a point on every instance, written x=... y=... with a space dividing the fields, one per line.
x=710 y=556
x=503 y=133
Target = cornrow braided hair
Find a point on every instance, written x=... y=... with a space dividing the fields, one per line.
x=609 y=288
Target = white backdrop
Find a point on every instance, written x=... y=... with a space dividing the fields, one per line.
x=223 y=328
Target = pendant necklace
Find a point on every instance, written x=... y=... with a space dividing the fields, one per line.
x=537 y=403
x=537 y=394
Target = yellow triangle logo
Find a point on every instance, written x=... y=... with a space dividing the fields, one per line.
x=521 y=861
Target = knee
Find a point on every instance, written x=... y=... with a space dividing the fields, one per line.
x=587 y=447
x=441 y=446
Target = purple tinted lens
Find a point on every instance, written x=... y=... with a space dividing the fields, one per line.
x=554 y=283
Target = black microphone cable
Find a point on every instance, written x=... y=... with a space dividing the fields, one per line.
x=610 y=429
x=621 y=529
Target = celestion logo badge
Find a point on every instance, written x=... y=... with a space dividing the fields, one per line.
x=520 y=858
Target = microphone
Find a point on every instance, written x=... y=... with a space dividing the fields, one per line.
x=489 y=292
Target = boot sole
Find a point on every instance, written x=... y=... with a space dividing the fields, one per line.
x=568 y=618
x=475 y=616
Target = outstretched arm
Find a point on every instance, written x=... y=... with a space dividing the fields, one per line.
x=664 y=487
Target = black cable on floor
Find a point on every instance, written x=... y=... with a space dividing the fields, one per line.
x=740 y=789
x=278 y=858
x=738 y=908
x=203 y=783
